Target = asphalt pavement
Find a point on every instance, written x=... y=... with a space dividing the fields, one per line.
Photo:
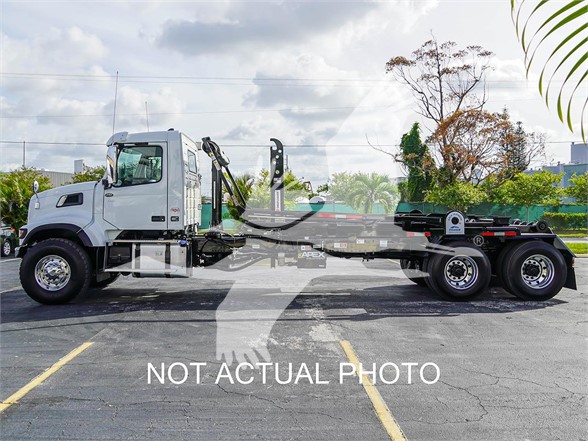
x=508 y=370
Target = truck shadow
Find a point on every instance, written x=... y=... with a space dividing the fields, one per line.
x=199 y=305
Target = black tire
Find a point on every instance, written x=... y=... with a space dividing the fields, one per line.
x=501 y=267
x=461 y=275
x=412 y=269
x=426 y=270
x=7 y=247
x=111 y=278
x=55 y=271
x=534 y=271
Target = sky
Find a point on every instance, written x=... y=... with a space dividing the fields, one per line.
x=310 y=73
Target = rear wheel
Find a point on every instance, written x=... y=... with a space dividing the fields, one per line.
x=501 y=271
x=534 y=271
x=460 y=274
x=413 y=270
x=55 y=271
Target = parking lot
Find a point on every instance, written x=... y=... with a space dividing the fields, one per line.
x=509 y=370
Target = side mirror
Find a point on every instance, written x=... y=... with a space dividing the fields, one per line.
x=35 y=190
x=110 y=173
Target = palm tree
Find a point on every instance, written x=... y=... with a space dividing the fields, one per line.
x=569 y=18
x=369 y=189
x=245 y=184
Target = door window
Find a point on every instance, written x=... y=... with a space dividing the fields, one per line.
x=192 y=162
x=138 y=165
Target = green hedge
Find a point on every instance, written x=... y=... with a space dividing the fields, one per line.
x=565 y=221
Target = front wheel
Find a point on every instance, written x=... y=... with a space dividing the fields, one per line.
x=459 y=274
x=7 y=248
x=55 y=271
x=534 y=271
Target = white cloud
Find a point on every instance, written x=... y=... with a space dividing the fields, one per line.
x=250 y=129
x=270 y=24
x=162 y=107
x=58 y=48
x=346 y=41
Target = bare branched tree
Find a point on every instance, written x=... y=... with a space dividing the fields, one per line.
x=443 y=78
x=468 y=144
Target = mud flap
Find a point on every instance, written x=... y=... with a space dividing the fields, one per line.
x=571 y=279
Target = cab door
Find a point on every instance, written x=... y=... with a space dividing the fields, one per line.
x=137 y=199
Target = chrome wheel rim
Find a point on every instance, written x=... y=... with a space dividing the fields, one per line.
x=52 y=273
x=537 y=271
x=461 y=272
x=6 y=248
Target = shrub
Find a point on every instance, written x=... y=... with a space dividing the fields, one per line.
x=456 y=196
x=565 y=221
x=16 y=190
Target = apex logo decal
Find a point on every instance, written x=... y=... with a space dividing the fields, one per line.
x=312 y=254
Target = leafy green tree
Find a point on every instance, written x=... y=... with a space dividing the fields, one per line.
x=417 y=160
x=16 y=190
x=403 y=191
x=578 y=188
x=515 y=151
x=256 y=191
x=516 y=146
x=530 y=189
x=322 y=189
x=260 y=193
x=340 y=186
x=89 y=174
x=457 y=195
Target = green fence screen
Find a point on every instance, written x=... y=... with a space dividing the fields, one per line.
x=532 y=213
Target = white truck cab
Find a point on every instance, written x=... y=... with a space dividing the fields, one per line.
x=154 y=182
x=150 y=191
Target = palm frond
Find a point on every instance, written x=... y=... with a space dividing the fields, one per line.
x=539 y=27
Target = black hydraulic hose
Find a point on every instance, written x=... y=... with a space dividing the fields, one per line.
x=277 y=227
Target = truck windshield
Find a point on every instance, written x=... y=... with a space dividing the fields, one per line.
x=138 y=165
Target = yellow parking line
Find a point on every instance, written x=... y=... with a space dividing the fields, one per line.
x=12 y=399
x=390 y=425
